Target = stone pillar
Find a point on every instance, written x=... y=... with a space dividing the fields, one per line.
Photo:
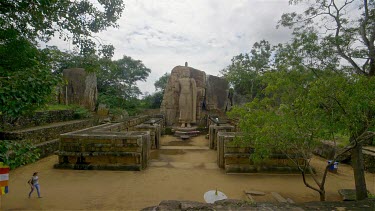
x=223 y=137
x=214 y=129
x=155 y=133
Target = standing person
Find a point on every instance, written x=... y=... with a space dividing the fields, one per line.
x=34 y=183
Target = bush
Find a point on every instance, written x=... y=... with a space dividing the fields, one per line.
x=81 y=113
x=17 y=153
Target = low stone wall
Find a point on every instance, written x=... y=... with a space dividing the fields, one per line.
x=233 y=204
x=48 y=132
x=369 y=159
x=104 y=151
x=155 y=133
x=48 y=148
x=37 y=119
x=112 y=146
x=236 y=158
x=214 y=129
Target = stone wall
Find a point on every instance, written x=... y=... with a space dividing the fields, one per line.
x=101 y=151
x=112 y=146
x=154 y=126
x=214 y=129
x=36 y=119
x=369 y=159
x=236 y=157
x=48 y=132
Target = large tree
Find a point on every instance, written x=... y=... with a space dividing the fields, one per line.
x=162 y=82
x=73 y=20
x=25 y=78
x=244 y=71
x=348 y=27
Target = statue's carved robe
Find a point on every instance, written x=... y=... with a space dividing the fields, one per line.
x=187 y=100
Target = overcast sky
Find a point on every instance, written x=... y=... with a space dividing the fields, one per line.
x=205 y=33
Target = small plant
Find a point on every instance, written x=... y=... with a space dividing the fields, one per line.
x=17 y=153
x=168 y=131
x=81 y=113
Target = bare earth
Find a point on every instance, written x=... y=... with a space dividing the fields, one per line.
x=181 y=173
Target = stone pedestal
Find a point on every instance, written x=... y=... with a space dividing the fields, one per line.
x=185 y=132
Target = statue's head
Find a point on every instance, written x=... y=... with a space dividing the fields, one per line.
x=185 y=74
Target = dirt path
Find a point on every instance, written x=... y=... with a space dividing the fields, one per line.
x=187 y=179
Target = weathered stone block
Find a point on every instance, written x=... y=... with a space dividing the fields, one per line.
x=101 y=150
x=81 y=88
x=214 y=129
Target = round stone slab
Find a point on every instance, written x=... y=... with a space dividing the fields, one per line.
x=212 y=195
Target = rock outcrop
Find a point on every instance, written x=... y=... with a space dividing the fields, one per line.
x=81 y=88
x=211 y=94
x=170 y=104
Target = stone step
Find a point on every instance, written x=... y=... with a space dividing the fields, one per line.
x=183 y=165
x=48 y=132
x=185 y=147
x=279 y=198
x=48 y=147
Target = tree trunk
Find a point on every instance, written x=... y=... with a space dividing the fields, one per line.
x=359 y=172
x=322 y=195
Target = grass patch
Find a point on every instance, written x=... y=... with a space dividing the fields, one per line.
x=57 y=107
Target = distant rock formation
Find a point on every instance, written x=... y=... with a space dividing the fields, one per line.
x=211 y=95
x=81 y=88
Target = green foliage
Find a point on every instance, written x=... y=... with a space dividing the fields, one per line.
x=81 y=113
x=25 y=79
x=162 y=82
x=245 y=70
x=56 y=107
x=350 y=36
x=17 y=153
x=75 y=20
x=153 y=101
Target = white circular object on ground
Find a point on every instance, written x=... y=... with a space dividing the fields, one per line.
x=212 y=195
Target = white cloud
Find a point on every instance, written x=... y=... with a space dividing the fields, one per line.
x=205 y=33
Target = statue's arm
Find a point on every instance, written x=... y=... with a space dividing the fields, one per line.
x=193 y=83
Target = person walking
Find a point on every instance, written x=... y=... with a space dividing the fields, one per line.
x=34 y=183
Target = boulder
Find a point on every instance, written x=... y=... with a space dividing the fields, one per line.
x=81 y=88
x=216 y=93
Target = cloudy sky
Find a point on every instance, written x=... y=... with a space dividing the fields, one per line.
x=205 y=33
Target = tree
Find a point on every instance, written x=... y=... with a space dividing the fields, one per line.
x=75 y=20
x=162 y=82
x=119 y=77
x=246 y=68
x=25 y=78
x=298 y=110
x=352 y=37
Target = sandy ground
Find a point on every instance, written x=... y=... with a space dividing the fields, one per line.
x=180 y=174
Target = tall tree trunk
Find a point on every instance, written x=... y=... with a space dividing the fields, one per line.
x=322 y=195
x=359 y=172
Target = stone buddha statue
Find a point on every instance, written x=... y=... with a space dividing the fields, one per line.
x=187 y=99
